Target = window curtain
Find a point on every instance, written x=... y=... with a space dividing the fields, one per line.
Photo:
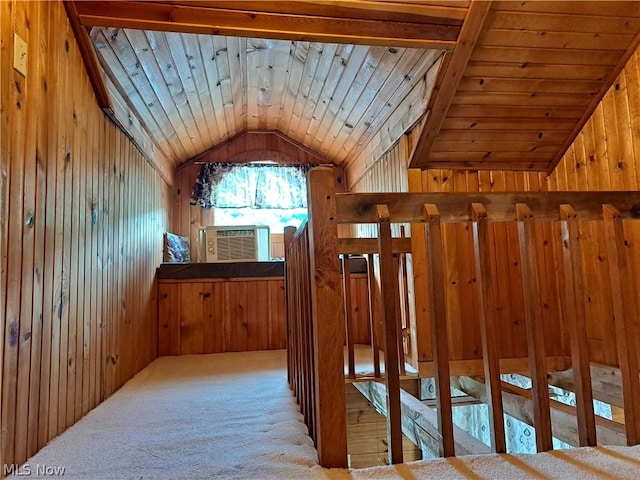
x=226 y=185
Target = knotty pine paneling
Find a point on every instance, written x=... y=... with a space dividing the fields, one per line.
x=462 y=308
x=236 y=315
x=390 y=174
x=604 y=156
x=81 y=235
x=221 y=315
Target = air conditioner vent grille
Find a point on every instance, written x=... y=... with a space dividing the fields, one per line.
x=236 y=248
x=234 y=244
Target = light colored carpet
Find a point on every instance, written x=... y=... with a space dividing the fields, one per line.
x=232 y=416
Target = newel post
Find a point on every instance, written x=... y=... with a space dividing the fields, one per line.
x=328 y=321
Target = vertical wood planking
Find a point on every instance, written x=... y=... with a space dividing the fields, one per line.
x=65 y=170
x=608 y=161
x=89 y=314
x=421 y=334
x=37 y=45
x=191 y=308
x=49 y=150
x=165 y=302
x=5 y=76
x=209 y=315
x=10 y=420
x=515 y=295
x=402 y=313
x=209 y=327
x=58 y=219
x=533 y=320
x=73 y=168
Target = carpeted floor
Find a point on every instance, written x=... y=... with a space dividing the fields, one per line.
x=232 y=416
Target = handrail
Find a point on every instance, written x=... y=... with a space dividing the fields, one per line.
x=319 y=340
x=501 y=207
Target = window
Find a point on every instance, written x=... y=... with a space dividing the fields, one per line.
x=275 y=218
x=253 y=194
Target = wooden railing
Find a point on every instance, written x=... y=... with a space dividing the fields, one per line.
x=315 y=326
x=316 y=321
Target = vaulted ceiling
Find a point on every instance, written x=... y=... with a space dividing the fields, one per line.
x=505 y=84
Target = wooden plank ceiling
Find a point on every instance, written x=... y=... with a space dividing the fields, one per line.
x=534 y=76
x=329 y=75
x=512 y=81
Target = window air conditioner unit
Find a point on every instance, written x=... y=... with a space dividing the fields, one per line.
x=247 y=243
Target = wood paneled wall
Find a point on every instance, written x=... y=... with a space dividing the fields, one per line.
x=237 y=314
x=186 y=218
x=606 y=153
x=82 y=216
x=462 y=308
x=390 y=174
x=221 y=315
x=606 y=156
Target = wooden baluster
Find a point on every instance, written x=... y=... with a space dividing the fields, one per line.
x=375 y=342
x=308 y=341
x=399 y=312
x=625 y=310
x=574 y=293
x=406 y=306
x=405 y=318
x=289 y=233
x=488 y=328
x=533 y=320
x=389 y=284
x=438 y=322
x=328 y=324
x=348 y=318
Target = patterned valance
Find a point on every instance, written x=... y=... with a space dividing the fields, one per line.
x=227 y=185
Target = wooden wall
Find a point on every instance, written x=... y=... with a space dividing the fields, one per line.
x=606 y=156
x=221 y=315
x=390 y=174
x=237 y=314
x=82 y=216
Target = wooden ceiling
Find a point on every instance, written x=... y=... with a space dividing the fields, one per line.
x=504 y=84
x=531 y=81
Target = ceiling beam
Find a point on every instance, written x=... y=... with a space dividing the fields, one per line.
x=405 y=11
x=89 y=57
x=451 y=72
x=379 y=27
